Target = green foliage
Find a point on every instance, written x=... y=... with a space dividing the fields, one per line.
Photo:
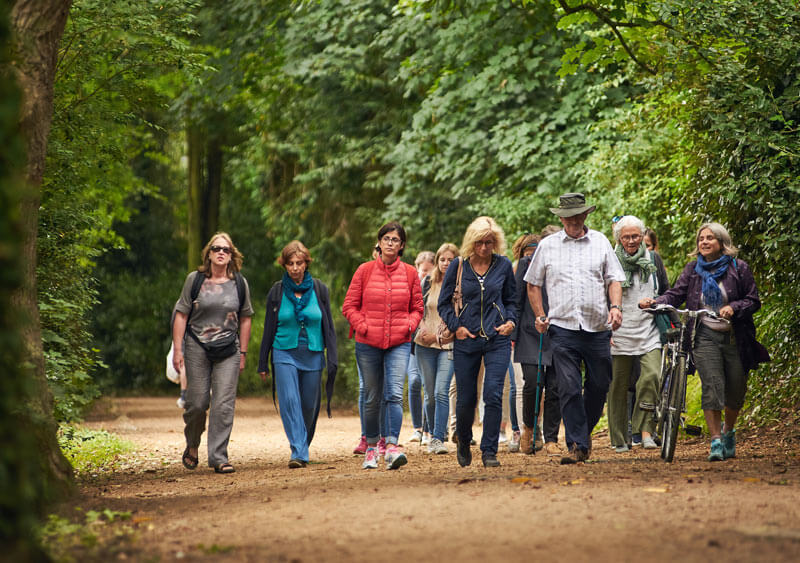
x=91 y=451
x=98 y=535
x=113 y=83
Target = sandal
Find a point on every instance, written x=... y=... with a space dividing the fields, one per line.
x=189 y=461
x=224 y=468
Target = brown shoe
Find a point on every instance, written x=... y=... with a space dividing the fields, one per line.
x=552 y=449
x=526 y=440
x=577 y=455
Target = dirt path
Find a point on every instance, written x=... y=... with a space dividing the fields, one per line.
x=629 y=507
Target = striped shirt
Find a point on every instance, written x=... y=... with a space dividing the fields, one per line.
x=575 y=273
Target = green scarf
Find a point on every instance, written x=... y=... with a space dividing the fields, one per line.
x=631 y=264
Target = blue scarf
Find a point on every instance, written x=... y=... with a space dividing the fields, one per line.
x=712 y=272
x=290 y=288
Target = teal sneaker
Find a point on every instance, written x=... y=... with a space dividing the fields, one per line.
x=716 y=450
x=729 y=444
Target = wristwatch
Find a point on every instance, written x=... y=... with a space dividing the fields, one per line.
x=542 y=319
x=615 y=307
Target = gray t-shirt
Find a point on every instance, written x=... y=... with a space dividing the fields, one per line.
x=216 y=310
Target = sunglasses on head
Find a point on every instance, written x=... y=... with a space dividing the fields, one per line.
x=225 y=249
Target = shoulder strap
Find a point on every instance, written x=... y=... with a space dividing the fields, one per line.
x=653 y=275
x=240 y=289
x=197 y=283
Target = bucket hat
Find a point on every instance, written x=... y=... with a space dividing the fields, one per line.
x=572 y=204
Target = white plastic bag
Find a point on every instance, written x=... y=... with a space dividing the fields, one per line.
x=172 y=375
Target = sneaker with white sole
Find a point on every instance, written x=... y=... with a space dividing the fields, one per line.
x=649 y=444
x=416 y=436
x=513 y=444
x=382 y=446
x=394 y=457
x=716 y=453
x=437 y=447
x=729 y=444
x=426 y=439
x=370 y=459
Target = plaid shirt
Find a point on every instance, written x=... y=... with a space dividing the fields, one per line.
x=575 y=273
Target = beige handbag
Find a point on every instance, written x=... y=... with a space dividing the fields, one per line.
x=443 y=334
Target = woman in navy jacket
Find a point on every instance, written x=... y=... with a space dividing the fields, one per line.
x=482 y=327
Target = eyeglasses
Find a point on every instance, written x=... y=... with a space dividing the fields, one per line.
x=630 y=238
x=225 y=249
x=488 y=242
x=393 y=240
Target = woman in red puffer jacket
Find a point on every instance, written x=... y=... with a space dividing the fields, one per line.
x=384 y=306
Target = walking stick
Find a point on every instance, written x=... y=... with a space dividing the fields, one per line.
x=538 y=388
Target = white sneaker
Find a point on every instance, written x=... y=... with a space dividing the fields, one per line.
x=513 y=445
x=502 y=439
x=437 y=447
x=181 y=403
x=370 y=459
x=426 y=439
x=416 y=436
x=394 y=457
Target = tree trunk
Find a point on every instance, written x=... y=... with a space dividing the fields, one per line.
x=37 y=27
x=205 y=181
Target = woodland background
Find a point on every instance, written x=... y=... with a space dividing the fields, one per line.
x=275 y=120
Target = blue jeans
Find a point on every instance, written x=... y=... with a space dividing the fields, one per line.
x=581 y=402
x=415 y=392
x=467 y=355
x=437 y=371
x=298 y=396
x=361 y=396
x=384 y=373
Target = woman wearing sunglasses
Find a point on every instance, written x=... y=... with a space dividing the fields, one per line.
x=214 y=312
x=384 y=306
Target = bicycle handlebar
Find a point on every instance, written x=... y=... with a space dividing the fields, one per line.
x=663 y=308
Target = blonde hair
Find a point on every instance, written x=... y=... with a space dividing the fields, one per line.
x=437 y=276
x=235 y=263
x=721 y=234
x=479 y=229
x=292 y=248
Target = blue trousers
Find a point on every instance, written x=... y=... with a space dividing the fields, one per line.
x=581 y=401
x=298 y=397
x=415 y=388
x=437 y=372
x=467 y=355
x=384 y=373
x=362 y=399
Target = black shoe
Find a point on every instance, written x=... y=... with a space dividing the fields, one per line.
x=576 y=455
x=489 y=460
x=464 y=454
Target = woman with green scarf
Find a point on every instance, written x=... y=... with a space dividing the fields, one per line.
x=298 y=328
x=637 y=342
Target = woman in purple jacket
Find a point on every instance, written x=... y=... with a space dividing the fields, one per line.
x=724 y=350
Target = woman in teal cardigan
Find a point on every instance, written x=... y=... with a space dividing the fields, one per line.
x=298 y=328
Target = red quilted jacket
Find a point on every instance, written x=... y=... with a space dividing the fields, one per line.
x=383 y=308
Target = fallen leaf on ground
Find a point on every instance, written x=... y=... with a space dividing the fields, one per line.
x=524 y=480
x=656 y=489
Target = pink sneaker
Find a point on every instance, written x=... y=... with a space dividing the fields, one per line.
x=370 y=459
x=382 y=447
x=361 y=448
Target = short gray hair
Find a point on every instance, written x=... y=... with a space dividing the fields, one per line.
x=628 y=221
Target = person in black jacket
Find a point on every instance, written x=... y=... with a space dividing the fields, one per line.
x=298 y=328
x=482 y=326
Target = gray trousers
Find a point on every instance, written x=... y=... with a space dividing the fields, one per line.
x=211 y=384
x=723 y=380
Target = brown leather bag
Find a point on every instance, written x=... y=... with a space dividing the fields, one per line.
x=443 y=334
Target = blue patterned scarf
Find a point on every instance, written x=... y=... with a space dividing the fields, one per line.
x=712 y=272
x=290 y=288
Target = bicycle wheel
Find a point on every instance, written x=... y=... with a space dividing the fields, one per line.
x=664 y=381
x=672 y=415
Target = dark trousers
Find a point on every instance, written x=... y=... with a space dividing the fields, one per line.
x=551 y=417
x=581 y=401
x=467 y=355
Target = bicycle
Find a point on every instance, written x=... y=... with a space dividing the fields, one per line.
x=672 y=378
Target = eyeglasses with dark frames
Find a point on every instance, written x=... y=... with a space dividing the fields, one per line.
x=225 y=249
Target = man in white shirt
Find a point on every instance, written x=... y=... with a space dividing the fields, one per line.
x=582 y=276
